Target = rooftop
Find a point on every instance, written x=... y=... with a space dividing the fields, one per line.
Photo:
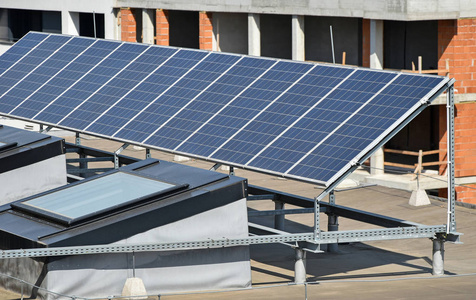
x=382 y=269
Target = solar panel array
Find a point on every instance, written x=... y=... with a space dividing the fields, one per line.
x=295 y=119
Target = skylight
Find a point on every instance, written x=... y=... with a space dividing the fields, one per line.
x=93 y=197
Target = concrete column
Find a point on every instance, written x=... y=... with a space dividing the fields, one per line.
x=69 y=22
x=298 y=38
x=254 y=35
x=5 y=31
x=377 y=162
x=332 y=225
x=279 y=219
x=376 y=44
x=148 y=26
x=112 y=30
x=300 y=266
x=376 y=62
x=438 y=257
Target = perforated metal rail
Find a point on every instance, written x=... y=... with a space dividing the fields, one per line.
x=324 y=238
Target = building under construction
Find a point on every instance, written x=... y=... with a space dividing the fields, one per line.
x=235 y=84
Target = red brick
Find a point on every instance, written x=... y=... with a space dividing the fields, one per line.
x=465 y=106
x=471 y=90
x=205 y=31
x=128 y=25
x=464 y=173
x=162 y=27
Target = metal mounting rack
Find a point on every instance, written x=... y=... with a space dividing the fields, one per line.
x=393 y=228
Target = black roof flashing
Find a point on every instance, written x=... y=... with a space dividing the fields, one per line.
x=167 y=192
x=19 y=148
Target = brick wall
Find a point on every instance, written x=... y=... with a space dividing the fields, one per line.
x=162 y=27
x=205 y=30
x=128 y=25
x=465 y=147
x=465 y=140
x=366 y=43
x=457 y=44
x=466 y=193
x=457 y=50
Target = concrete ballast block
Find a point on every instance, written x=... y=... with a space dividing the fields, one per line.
x=180 y=158
x=134 y=287
x=419 y=198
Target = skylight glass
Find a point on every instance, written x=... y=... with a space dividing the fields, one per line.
x=95 y=196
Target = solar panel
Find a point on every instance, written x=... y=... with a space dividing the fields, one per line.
x=296 y=119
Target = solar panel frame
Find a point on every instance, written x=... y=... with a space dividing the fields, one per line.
x=248 y=164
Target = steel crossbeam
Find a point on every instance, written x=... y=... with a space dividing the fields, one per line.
x=324 y=238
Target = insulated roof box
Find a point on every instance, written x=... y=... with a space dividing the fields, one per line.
x=30 y=163
x=146 y=202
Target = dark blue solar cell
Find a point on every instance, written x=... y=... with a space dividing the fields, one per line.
x=212 y=100
x=204 y=105
x=35 y=58
x=367 y=125
x=332 y=110
x=191 y=85
x=171 y=73
x=118 y=85
x=137 y=98
x=287 y=109
x=33 y=81
x=350 y=95
x=256 y=97
x=52 y=69
x=22 y=47
x=93 y=74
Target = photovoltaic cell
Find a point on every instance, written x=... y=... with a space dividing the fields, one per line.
x=84 y=72
x=296 y=119
x=58 y=81
x=168 y=103
x=137 y=98
x=117 y=70
x=22 y=75
x=224 y=95
x=21 y=48
x=201 y=107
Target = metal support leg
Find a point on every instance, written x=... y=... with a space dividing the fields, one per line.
x=332 y=225
x=279 y=219
x=77 y=141
x=438 y=257
x=232 y=171
x=300 y=266
x=82 y=165
x=332 y=198
x=215 y=167
x=451 y=221
x=116 y=155
x=45 y=130
x=316 y=220
x=147 y=153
